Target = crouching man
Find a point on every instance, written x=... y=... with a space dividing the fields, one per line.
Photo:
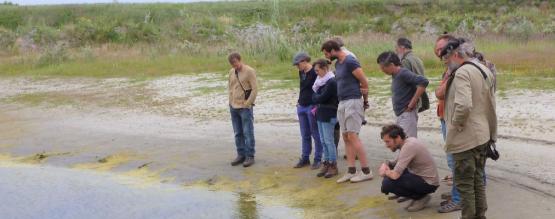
x=413 y=174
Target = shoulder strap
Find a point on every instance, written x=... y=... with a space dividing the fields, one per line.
x=474 y=64
x=239 y=81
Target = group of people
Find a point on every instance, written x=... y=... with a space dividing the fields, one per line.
x=334 y=101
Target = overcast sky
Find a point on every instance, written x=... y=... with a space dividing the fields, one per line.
x=49 y=2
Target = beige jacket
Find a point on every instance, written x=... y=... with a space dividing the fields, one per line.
x=247 y=77
x=470 y=109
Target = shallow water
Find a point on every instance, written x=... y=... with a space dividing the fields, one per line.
x=31 y=191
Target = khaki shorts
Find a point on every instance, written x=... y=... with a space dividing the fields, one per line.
x=409 y=121
x=350 y=114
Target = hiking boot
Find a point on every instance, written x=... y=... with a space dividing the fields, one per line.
x=316 y=165
x=346 y=177
x=302 y=163
x=361 y=177
x=332 y=170
x=449 y=207
x=249 y=161
x=402 y=199
x=324 y=169
x=419 y=204
x=238 y=160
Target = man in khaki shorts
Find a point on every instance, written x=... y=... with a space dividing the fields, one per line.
x=352 y=85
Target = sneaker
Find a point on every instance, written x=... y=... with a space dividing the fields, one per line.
x=361 y=177
x=346 y=177
x=402 y=199
x=316 y=165
x=393 y=197
x=249 y=161
x=449 y=207
x=238 y=160
x=411 y=201
x=419 y=204
x=302 y=163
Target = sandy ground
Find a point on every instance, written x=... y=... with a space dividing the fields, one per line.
x=175 y=131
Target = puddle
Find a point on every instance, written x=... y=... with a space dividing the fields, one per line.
x=52 y=192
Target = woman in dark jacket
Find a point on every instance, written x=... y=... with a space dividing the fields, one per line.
x=326 y=101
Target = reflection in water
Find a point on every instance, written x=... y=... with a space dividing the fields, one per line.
x=247 y=207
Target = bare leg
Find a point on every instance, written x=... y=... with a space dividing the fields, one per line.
x=349 y=151
x=358 y=149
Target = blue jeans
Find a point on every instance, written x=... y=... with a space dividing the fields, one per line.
x=326 y=131
x=455 y=196
x=309 y=131
x=243 y=128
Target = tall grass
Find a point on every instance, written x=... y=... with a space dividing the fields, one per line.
x=149 y=40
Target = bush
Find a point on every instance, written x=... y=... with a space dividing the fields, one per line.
x=7 y=39
x=10 y=17
x=52 y=55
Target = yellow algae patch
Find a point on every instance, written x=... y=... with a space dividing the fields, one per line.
x=146 y=177
x=378 y=205
x=39 y=157
x=317 y=197
x=106 y=163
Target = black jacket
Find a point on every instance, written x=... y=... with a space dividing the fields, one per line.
x=326 y=101
x=306 y=82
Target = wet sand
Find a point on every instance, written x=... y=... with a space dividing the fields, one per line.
x=175 y=131
x=188 y=153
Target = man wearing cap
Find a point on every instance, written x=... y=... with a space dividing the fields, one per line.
x=471 y=124
x=307 y=120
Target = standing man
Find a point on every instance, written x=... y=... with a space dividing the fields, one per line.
x=408 y=59
x=453 y=198
x=242 y=93
x=307 y=120
x=352 y=85
x=406 y=88
x=413 y=174
x=413 y=64
x=471 y=124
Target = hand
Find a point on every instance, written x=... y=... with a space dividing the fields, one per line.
x=366 y=105
x=364 y=91
x=383 y=169
x=411 y=106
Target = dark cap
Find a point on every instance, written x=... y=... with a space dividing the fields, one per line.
x=299 y=57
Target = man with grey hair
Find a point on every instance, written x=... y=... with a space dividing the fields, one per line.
x=413 y=64
x=470 y=51
x=472 y=124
